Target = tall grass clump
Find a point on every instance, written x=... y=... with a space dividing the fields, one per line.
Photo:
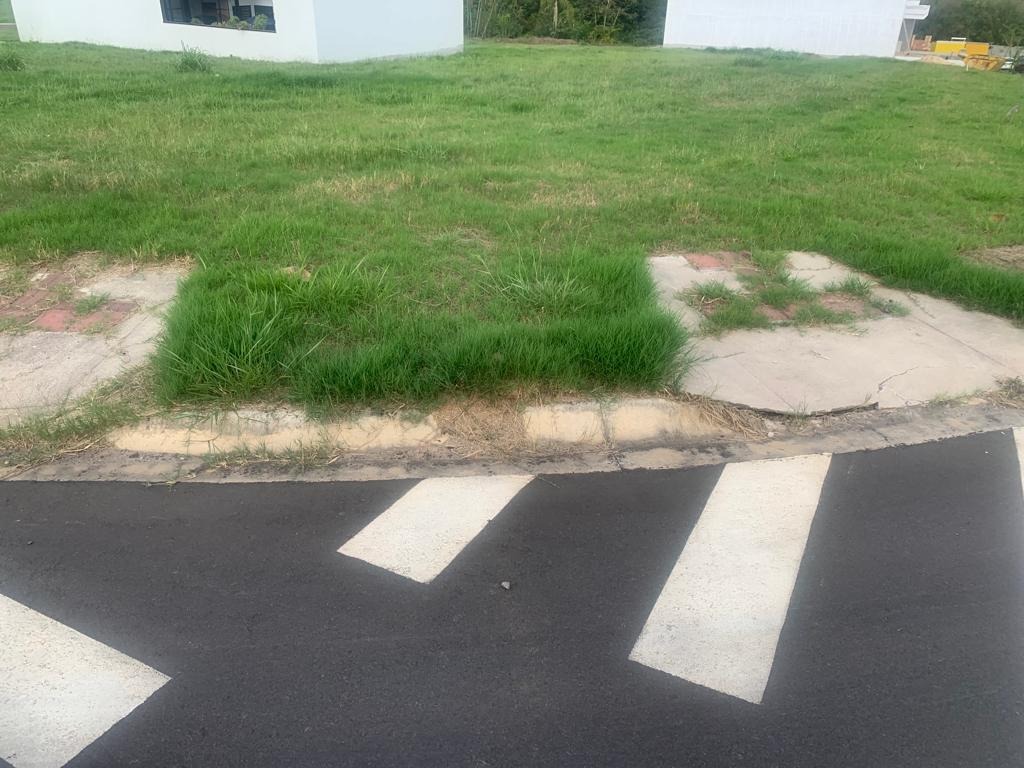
x=193 y=60
x=339 y=335
x=10 y=59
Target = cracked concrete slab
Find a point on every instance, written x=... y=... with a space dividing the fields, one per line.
x=42 y=370
x=938 y=350
x=817 y=270
x=674 y=275
x=891 y=363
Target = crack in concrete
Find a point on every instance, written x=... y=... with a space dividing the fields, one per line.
x=961 y=342
x=886 y=380
x=723 y=357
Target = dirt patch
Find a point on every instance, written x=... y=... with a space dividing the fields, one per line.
x=1005 y=257
x=844 y=304
x=361 y=189
x=738 y=262
x=578 y=196
x=478 y=428
x=775 y=315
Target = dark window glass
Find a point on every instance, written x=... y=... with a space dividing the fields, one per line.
x=234 y=14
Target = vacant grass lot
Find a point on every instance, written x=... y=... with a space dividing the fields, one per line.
x=403 y=229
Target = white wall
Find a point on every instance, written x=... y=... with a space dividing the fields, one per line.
x=140 y=24
x=349 y=30
x=829 y=27
x=307 y=30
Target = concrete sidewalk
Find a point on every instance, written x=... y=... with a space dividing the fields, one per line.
x=68 y=333
x=938 y=350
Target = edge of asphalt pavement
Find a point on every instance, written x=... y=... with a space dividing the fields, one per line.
x=566 y=438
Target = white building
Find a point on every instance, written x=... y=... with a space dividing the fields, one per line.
x=827 y=27
x=274 y=30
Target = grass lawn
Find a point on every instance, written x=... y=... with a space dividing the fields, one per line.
x=403 y=229
x=6 y=14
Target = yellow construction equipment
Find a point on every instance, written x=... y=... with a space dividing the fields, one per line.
x=984 y=63
x=958 y=47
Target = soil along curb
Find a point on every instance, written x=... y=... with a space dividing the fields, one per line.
x=629 y=421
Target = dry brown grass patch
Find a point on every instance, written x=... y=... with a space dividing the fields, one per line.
x=1004 y=257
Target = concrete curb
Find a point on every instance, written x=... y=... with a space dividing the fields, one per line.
x=866 y=431
x=589 y=423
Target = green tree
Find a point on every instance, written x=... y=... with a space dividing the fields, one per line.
x=993 y=21
x=637 y=21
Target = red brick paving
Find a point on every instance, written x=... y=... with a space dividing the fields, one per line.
x=56 y=319
x=9 y=313
x=99 y=320
x=33 y=300
x=39 y=307
x=705 y=261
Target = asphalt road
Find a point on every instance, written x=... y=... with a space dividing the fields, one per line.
x=540 y=639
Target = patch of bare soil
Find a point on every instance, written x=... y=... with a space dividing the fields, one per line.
x=844 y=304
x=479 y=428
x=776 y=315
x=1005 y=257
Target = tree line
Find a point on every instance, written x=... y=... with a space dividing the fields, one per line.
x=643 y=21
x=989 y=21
x=595 y=21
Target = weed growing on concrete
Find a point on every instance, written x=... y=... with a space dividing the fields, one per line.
x=888 y=307
x=725 y=309
x=813 y=313
x=88 y=304
x=854 y=286
x=1011 y=392
x=784 y=292
x=79 y=425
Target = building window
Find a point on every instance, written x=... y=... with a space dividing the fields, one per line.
x=225 y=14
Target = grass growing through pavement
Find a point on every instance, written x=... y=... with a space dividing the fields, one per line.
x=479 y=221
x=79 y=425
x=726 y=309
x=854 y=286
x=87 y=304
x=768 y=285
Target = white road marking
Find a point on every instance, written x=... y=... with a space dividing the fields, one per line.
x=60 y=690
x=718 y=619
x=421 y=533
x=1018 y=437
